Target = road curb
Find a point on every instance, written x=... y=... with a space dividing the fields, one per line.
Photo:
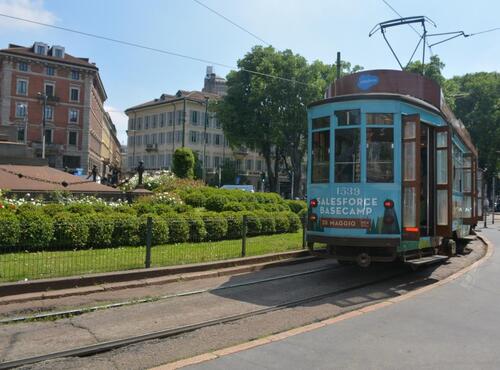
x=71 y=286
x=331 y=321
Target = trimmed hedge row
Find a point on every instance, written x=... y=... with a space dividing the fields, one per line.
x=34 y=229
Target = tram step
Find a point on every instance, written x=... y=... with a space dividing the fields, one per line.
x=427 y=260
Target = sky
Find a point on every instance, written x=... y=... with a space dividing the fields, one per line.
x=316 y=29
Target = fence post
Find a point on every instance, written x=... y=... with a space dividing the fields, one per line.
x=149 y=232
x=244 y=236
x=304 y=229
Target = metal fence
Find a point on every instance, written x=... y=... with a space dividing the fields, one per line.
x=66 y=255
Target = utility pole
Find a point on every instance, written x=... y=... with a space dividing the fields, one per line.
x=184 y=123
x=44 y=97
x=205 y=141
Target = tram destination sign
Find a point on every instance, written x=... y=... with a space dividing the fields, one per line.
x=346 y=223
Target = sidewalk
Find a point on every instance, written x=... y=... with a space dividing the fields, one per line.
x=456 y=325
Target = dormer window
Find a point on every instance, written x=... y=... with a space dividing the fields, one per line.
x=40 y=48
x=58 y=51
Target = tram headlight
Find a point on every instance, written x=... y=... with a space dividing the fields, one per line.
x=388 y=203
x=313 y=203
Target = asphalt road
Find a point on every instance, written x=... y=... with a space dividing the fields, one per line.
x=454 y=326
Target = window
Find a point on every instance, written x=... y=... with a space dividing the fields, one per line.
x=146 y=123
x=170 y=118
x=74 y=94
x=73 y=115
x=154 y=139
x=21 y=110
x=162 y=138
x=380 y=155
x=194 y=117
x=347 y=156
x=379 y=118
x=75 y=75
x=193 y=135
x=146 y=140
x=22 y=87
x=49 y=89
x=216 y=162
x=178 y=136
x=139 y=123
x=40 y=49
x=51 y=71
x=258 y=165
x=72 y=138
x=322 y=122
x=169 y=137
x=217 y=139
x=155 y=120
x=207 y=138
x=249 y=165
x=162 y=119
x=20 y=134
x=320 y=157
x=49 y=112
x=348 y=117
x=58 y=52
x=48 y=136
x=23 y=66
x=138 y=140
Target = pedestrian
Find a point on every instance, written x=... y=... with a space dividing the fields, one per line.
x=93 y=173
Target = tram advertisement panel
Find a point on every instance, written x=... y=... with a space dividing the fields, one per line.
x=354 y=210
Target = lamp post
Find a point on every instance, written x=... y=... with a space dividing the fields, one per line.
x=44 y=98
x=205 y=141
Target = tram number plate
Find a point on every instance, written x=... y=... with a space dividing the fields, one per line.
x=346 y=223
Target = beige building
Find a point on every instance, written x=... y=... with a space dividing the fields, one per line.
x=156 y=128
x=78 y=132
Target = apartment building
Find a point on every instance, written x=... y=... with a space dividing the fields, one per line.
x=78 y=131
x=156 y=128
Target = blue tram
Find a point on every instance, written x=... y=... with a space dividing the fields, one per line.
x=392 y=173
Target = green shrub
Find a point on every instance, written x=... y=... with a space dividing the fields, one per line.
x=36 y=229
x=142 y=208
x=216 y=226
x=80 y=208
x=162 y=209
x=254 y=226
x=249 y=206
x=234 y=224
x=159 y=229
x=216 y=203
x=126 y=229
x=52 y=209
x=101 y=229
x=70 y=230
x=125 y=208
x=302 y=214
x=294 y=221
x=178 y=228
x=197 y=230
x=296 y=205
x=196 y=199
x=267 y=221
x=183 y=163
x=282 y=223
x=234 y=207
x=9 y=229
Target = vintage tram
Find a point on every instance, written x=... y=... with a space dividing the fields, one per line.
x=392 y=172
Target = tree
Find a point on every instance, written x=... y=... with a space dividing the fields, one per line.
x=198 y=167
x=228 y=173
x=183 y=163
x=270 y=114
x=431 y=70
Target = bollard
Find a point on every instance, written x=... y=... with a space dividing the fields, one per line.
x=304 y=229
x=244 y=236
x=149 y=234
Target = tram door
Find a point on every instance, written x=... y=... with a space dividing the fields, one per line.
x=427 y=161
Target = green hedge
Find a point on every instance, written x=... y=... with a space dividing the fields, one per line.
x=10 y=229
x=37 y=229
x=216 y=226
x=70 y=230
x=159 y=229
x=197 y=230
x=178 y=228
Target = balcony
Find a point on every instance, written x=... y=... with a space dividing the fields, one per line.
x=151 y=147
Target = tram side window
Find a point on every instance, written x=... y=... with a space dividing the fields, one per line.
x=380 y=155
x=347 y=156
x=348 y=117
x=379 y=118
x=320 y=157
x=458 y=169
x=321 y=122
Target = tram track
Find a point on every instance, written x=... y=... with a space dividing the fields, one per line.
x=106 y=346
x=81 y=311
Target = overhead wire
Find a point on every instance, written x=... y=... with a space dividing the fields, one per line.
x=232 y=22
x=145 y=47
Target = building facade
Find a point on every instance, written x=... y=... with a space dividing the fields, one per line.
x=78 y=131
x=158 y=127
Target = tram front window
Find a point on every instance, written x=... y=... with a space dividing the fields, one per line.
x=347 y=156
x=320 y=157
x=379 y=155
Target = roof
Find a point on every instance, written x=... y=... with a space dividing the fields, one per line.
x=196 y=96
x=43 y=179
x=18 y=50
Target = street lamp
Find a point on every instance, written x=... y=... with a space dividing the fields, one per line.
x=44 y=97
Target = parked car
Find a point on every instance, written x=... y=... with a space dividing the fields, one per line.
x=248 y=188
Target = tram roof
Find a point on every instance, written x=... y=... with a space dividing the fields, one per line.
x=410 y=87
